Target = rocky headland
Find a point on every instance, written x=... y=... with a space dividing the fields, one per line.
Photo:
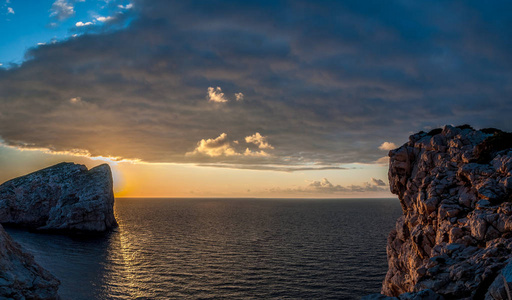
x=20 y=276
x=65 y=198
x=454 y=239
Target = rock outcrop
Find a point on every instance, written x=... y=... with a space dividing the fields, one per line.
x=454 y=239
x=20 y=276
x=65 y=197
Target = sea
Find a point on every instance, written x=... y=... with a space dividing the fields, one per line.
x=225 y=249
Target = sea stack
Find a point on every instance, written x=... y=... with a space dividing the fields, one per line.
x=454 y=239
x=20 y=276
x=65 y=198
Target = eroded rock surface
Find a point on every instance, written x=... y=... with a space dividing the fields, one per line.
x=20 y=276
x=65 y=197
x=455 y=236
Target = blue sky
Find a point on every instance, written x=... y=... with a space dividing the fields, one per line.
x=309 y=87
x=25 y=24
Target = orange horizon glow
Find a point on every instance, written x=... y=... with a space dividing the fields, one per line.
x=137 y=179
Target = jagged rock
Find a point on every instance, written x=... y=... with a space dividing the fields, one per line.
x=20 y=276
x=455 y=235
x=65 y=197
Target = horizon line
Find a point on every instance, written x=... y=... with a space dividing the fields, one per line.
x=206 y=197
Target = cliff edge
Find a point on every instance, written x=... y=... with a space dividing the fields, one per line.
x=20 y=276
x=454 y=239
x=65 y=197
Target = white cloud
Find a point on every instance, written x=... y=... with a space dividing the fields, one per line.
x=62 y=9
x=239 y=96
x=10 y=10
x=388 y=146
x=260 y=153
x=81 y=24
x=104 y=19
x=127 y=6
x=216 y=95
x=259 y=140
x=219 y=146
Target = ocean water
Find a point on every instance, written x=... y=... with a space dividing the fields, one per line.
x=225 y=249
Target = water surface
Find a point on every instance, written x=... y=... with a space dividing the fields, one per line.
x=225 y=248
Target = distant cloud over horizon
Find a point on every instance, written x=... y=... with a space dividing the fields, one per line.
x=332 y=83
x=324 y=186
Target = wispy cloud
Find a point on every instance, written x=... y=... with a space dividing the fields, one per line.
x=239 y=96
x=62 y=9
x=127 y=6
x=270 y=167
x=10 y=10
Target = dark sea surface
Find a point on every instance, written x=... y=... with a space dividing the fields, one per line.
x=225 y=249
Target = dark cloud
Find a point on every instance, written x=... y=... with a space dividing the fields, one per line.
x=326 y=82
x=377 y=182
x=266 y=167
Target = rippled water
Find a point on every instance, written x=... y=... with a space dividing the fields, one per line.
x=225 y=248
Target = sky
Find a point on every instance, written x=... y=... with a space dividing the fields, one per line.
x=244 y=98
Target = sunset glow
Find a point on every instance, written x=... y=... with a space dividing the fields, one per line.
x=231 y=99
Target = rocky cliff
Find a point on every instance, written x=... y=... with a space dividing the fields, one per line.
x=454 y=239
x=65 y=197
x=20 y=276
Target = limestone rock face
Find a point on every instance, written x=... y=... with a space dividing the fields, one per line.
x=455 y=235
x=20 y=276
x=65 y=197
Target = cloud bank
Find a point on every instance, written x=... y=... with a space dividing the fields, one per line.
x=327 y=84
